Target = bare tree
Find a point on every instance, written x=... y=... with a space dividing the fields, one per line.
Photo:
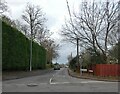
x=3 y=7
x=34 y=18
x=43 y=35
x=93 y=25
x=52 y=49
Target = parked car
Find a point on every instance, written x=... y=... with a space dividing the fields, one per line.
x=56 y=67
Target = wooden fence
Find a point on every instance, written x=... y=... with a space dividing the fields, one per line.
x=107 y=70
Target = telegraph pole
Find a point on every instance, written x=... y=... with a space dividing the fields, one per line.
x=77 y=58
x=118 y=32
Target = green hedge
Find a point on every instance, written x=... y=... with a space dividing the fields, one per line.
x=16 y=51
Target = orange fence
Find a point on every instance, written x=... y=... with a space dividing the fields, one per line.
x=107 y=70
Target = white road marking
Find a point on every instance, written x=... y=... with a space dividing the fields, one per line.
x=32 y=84
x=50 y=81
x=60 y=83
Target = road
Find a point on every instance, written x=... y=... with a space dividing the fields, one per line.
x=57 y=81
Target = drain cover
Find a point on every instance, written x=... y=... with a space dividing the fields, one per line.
x=32 y=84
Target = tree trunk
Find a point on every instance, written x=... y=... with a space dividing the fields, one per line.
x=104 y=59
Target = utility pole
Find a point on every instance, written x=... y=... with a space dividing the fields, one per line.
x=70 y=14
x=77 y=59
x=119 y=32
x=81 y=65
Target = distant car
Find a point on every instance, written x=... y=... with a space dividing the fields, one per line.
x=66 y=66
x=56 y=67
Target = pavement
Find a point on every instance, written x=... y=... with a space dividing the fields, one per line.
x=57 y=81
x=22 y=74
x=92 y=77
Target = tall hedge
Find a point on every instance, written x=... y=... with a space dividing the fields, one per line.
x=16 y=51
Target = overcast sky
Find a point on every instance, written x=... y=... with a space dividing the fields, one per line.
x=56 y=12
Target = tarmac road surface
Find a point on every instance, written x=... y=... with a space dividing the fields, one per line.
x=57 y=81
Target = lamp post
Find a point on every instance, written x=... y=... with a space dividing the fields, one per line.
x=31 y=53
